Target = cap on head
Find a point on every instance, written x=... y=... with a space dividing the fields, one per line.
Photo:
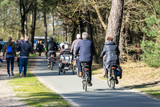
x=65 y=46
x=78 y=36
x=84 y=35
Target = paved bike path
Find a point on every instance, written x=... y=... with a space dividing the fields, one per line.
x=99 y=95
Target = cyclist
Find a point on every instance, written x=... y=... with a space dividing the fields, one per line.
x=52 y=48
x=86 y=50
x=112 y=55
x=73 y=48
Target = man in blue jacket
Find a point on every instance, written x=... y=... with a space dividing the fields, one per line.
x=25 y=49
x=86 y=50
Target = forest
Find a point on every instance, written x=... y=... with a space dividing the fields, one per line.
x=134 y=24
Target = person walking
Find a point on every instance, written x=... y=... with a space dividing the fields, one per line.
x=9 y=50
x=25 y=49
x=19 y=43
x=86 y=50
x=40 y=47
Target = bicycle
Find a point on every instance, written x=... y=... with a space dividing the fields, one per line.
x=52 y=61
x=112 y=80
x=85 y=75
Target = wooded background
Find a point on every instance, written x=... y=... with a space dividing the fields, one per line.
x=134 y=24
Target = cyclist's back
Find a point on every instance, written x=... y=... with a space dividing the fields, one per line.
x=52 y=46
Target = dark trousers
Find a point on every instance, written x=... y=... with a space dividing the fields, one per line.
x=79 y=65
x=49 y=56
x=23 y=62
x=10 y=60
x=90 y=70
x=40 y=53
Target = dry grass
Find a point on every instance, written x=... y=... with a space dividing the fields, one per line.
x=138 y=75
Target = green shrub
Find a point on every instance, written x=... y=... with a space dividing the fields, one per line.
x=151 y=46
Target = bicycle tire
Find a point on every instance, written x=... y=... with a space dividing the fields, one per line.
x=108 y=82
x=63 y=71
x=83 y=84
x=112 y=83
x=86 y=81
x=51 y=65
x=59 y=71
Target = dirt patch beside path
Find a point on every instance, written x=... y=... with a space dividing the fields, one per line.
x=7 y=95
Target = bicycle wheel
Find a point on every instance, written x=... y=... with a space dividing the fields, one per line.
x=108 y=82
x=60 y=70
x=52 y=64
x=64 y=71
x=86 y=82
x=73 y=71
x=83 y=84
x=112 y=83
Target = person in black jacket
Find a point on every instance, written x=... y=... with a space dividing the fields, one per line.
x=52 y=48
x=40 y=47
x=112 y=54
x=25 y=49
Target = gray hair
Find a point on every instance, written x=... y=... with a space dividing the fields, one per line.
x=84 y=35
x=78 y=36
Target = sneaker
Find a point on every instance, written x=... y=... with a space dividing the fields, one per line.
x=89 y=83
x=8 y=75
x=12 y=73
x=80 y=74
x=21 y=75
x=24 y=75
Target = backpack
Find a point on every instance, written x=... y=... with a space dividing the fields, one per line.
x=9 y=50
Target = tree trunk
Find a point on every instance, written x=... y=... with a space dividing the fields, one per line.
x=25 y=27
x=33 y=23
x=75 y=26
x=66 y=37
x=45 y=27
x=89 y=26
x=22 y=26
x=115 y=20
x=53 y=23
x=124 y=37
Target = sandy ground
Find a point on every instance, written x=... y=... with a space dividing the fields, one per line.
x=7 y=95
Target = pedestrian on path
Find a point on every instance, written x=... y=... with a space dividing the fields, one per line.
x=10 y=51
x=25 y=49
x=40 y=47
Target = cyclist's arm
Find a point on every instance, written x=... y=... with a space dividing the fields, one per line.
x=103 y=52
x=77 y=49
